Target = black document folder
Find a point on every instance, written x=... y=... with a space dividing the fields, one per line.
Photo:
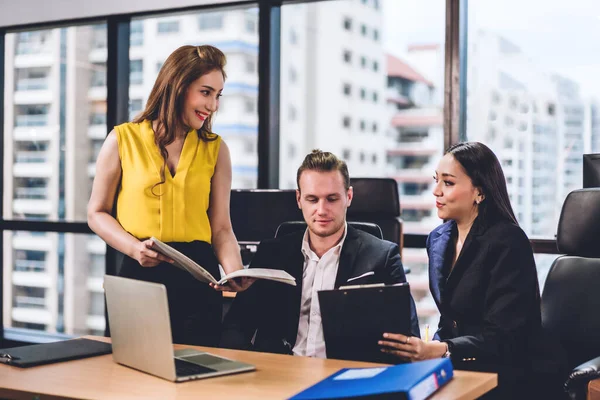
x=47 y=353
x=354 y=320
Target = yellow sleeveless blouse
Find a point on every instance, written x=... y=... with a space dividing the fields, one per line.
x=179 y=212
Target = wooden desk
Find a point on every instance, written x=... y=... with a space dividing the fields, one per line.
x=277 y=377
x=594 y=390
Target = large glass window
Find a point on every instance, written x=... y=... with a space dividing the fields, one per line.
x=55 y=109
x=368 y=86
x=232 y=31
x=53 y=282
x=54 y=112
x=533 y=94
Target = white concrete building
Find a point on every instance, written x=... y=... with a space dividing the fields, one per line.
x=416 y=131
x=592 y=118
x=512 y=107
x=333 y=84
x=47 y=284
x=573 y=138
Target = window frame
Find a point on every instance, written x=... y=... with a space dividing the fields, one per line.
x=268 y=107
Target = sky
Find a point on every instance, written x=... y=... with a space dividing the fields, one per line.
x=560 y=36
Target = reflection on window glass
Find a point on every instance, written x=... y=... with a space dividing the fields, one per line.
x=53 y=282
x=55 y=101
x=235 y=32
x=534 y=97
x=368 y=86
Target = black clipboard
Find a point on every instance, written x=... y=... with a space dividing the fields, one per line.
x=48 y=353
x=354 y=320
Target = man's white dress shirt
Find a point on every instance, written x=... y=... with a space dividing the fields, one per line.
x=318 y=274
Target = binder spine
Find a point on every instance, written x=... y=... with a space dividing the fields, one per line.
x=431 y=383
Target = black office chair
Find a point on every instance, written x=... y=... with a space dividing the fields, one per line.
x=294 y=226
x=256 y=213
x=377 y=200
x=571 y=296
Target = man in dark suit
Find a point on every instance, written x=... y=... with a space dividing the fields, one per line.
x=278 y=318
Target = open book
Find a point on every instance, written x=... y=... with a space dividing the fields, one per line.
x=187 y=264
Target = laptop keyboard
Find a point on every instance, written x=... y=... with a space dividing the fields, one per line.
x=184 y=368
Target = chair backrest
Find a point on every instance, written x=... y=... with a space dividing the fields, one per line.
x=294 y=226
x=571 y=295
x=257 y=213
x=377 y=200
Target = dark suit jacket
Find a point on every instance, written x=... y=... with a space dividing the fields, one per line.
x=490 y=309
x=265 y=317
x=490 y=301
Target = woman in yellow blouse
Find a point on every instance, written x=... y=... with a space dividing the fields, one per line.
x=172 y=179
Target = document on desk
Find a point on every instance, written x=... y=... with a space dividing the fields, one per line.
x=415 y=381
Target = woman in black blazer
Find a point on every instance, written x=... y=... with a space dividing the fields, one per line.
x=482 y=276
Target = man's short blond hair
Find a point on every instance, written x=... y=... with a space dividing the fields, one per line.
x=323 y=161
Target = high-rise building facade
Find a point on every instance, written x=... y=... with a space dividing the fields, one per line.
x=513 y=109
x=571 y=124
x=51 y=280
x=415 y=129
x=592 y=127
x=333 y=83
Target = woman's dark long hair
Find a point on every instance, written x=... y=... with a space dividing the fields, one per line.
x=482 y=166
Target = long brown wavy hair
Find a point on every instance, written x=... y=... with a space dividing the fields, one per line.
x=166 y=101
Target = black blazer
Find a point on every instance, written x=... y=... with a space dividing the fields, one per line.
x=490 y=301
x=265 y=317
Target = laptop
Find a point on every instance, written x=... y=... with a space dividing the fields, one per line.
x=138 y=314
x=355 y=317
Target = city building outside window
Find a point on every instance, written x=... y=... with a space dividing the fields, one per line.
x=347 y=89
x=136 y=72
x=535 y=95
x=251 y=22
x=168 y=27
x=210 y=21
x=346 y=122
x=136 y=37
x=347 y=54
x=348 y=24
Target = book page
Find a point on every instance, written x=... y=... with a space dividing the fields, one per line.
x=182 y=261
x=276 y=275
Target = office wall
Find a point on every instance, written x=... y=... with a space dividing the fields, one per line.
x=14 y=13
